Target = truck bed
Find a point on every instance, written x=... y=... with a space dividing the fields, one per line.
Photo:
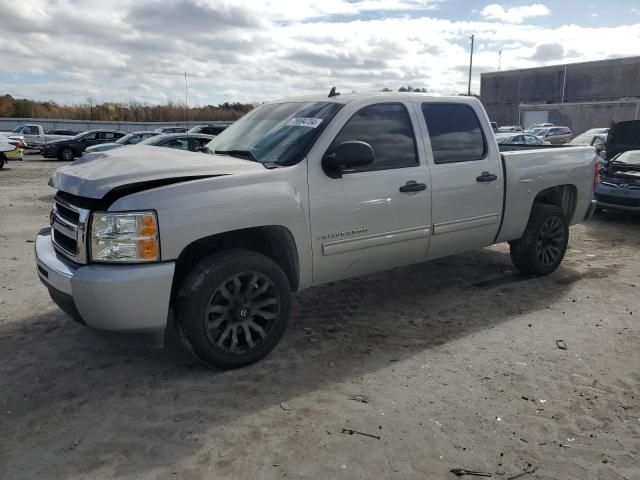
x=531 y=170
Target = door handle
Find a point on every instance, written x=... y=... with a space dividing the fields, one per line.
x=413 y=186
x=486 y=177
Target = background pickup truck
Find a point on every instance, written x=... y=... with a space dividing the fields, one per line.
x=297 y=193
x=34 y=135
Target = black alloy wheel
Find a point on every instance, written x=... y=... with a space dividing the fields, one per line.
x=241 y=312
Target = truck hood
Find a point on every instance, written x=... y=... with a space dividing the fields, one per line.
x=623 y=136
x=143 y=167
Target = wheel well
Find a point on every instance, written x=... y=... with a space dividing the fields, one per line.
x=273 y=241
x=563 y=196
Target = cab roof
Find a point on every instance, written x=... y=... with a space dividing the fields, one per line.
x=345 y=98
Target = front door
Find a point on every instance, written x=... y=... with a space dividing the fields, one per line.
x=31 y=135
x=377 y=216
x=467 y=179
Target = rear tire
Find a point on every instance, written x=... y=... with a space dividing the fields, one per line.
x=66 y=155
x=232 y=308
x=544 y=242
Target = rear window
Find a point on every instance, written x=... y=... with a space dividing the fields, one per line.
x=455 y=132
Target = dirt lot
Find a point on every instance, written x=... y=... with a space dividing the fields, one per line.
x=452 y=364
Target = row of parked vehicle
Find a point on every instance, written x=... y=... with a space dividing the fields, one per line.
x=67 y=145
x=549 y=134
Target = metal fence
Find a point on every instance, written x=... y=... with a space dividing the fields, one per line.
x=7 y=124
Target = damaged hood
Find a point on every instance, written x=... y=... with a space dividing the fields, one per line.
x=140 y=164
x=623 y=136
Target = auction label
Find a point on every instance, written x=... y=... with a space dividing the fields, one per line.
x=304 y=122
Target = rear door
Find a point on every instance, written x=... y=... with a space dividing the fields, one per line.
x=369 y=219
x=466 y=176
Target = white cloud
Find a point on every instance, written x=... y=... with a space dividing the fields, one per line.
x=514 y=14
x=236 y=50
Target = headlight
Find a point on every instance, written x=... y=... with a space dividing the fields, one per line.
x=124 y=237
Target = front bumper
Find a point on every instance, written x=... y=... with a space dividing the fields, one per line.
x=618 y=198
x=113 y=298
x=48 y=152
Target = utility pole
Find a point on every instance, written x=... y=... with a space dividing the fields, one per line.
x=186 y=98
x=470 y=66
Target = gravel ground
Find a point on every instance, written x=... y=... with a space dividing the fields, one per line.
x=448 y=364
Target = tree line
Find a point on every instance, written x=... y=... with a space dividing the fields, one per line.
x=131 y=111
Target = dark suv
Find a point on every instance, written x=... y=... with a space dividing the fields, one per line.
x=69 y=148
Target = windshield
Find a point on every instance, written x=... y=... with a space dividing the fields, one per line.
x=18 y=129
x=279 y=133
x=155 y=138
x=126 y=139
x=583 y=139
x=78 y=136
x=628 y=158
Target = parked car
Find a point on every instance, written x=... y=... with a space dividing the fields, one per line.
x=619 y=186
x=73 y=147
x=180 y=141
x=10 y=149
x=554 y=135
x=509 y=129
x=297 y=193
x=33 y=135
x=172 y=129
x=592 y=137
x=494 y=126
x=519 y=139
x=128 y=139
x=209 y=129
x=62 y=131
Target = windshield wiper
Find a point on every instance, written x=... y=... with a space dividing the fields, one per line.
x=246 y=154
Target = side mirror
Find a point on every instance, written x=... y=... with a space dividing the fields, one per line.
x=346 y=156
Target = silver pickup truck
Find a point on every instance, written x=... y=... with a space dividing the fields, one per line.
x=34 y=135
x=297 y=193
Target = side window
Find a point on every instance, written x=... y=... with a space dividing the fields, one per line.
x=531 y=140
x=200 y=142
x=107 y=136
x=90 y=136
x=518 y=140
x=455 y=132
x=177 y=143
x=387 y=128
x=30 y=130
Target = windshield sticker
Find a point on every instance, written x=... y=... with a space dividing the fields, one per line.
x=304 y=122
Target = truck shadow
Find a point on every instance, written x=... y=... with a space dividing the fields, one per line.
x=74 y=398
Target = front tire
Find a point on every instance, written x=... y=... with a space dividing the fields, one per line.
x=544 y=242
x=233 y=308
x=66 y=155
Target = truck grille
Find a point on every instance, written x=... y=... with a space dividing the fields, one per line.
x=69 y=228
x=615 y=200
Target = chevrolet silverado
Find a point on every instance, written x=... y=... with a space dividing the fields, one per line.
x=298 y=192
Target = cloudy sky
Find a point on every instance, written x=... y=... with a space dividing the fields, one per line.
x=251 y=51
